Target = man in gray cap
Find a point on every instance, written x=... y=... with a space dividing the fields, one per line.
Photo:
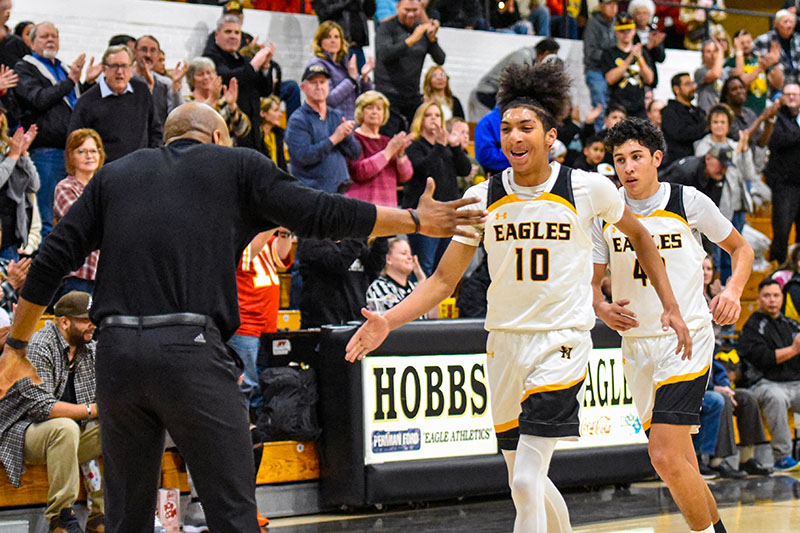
x=54 y=423
x=704 y=173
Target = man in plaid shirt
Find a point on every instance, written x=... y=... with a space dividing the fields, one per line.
x=55 y=423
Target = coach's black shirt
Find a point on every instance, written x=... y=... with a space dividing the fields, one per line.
x=171 y=224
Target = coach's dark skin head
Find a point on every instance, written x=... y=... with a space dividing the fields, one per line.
x=196 y=121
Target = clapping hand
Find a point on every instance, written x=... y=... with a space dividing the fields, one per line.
x=18 y=271
x=8 y=78
x=232 y=94
x=432 y=28
x=75 y=69
x=177 y=75
x=367 y=68
x=93 y=71
x=352 y=66
x=21 y=141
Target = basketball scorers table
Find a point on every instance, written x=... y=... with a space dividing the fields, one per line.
x=412 y=421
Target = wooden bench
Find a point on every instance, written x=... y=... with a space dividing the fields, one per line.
x=282 y=462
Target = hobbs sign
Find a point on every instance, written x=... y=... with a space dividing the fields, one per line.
x=425 y=407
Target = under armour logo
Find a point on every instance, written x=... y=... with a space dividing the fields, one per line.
x=566 y=351
x=503 y=215
x=490 y=354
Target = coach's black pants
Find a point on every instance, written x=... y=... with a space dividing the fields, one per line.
x=179 y=378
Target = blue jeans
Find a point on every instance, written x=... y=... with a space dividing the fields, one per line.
x=290 y=93
x=49 y=163
x=521 y=27
x=10 y=252
x=540 y=18
x=721 y=258
x=705 y=441
x=598 y=90
x=429 y=250
x=247 y=348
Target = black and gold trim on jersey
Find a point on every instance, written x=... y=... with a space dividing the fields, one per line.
x=674 y=208
x=560 y=193
x=552 y=410
x=679 y=398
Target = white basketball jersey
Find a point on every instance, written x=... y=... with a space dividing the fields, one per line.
x=540 y=250
x=683 y=258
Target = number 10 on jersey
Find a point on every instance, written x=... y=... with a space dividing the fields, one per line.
x=538 y=264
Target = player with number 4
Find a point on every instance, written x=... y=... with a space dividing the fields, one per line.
x=667 y=390
x=539 y=243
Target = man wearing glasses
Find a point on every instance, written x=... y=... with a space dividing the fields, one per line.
x=119 y=108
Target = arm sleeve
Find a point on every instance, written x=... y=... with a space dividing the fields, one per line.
x=41 y=397
x=604 y=197
x=273 y=197
x=350 y=147
x=155 y=130
x=436 y=52
x=346 y=89
x=783 y=137
x=405 y=170
x=33 y=93
x=365 y=169
x=302 y=149
x=481 y=191
x=592 y=50
x=64 y=198
x=704 y=215
x=389 y=44
x=6 y=168
x=600 y=253
x=461 y=160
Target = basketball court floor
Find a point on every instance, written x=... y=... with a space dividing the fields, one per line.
x=752 y=505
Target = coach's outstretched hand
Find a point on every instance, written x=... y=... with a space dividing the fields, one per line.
x=672 y=319
x=14 y=366
x=443 y=219
x=368 y=337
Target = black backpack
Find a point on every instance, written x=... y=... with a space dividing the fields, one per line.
x=290 y=396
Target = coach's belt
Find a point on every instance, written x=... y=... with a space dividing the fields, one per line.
x=172 y=319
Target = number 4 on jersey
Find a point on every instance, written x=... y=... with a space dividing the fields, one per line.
x=639 y=273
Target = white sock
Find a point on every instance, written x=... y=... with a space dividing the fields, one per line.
x=709 y=529
x=540 y=507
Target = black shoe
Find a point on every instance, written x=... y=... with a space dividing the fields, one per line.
x=707 y=472
x=65 y=522
x=754 y=468
x=726 y=471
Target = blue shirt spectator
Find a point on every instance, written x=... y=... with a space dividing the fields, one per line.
x=487 y=143
x=319 y=138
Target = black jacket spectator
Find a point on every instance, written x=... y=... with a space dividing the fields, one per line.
x=784 y=147
x=682 y=126
x=44 y=104
x=398 y=66
x=125 y=122
x=783 y=177
x=628 y=91
x=760 y=337
x=351 y=15
x=12 y=50
x=459 y=13
x=336 y=276
x=252 y=86
x=443 y=163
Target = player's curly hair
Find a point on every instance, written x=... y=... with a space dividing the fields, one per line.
x=640 y=130
x=543 y=88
